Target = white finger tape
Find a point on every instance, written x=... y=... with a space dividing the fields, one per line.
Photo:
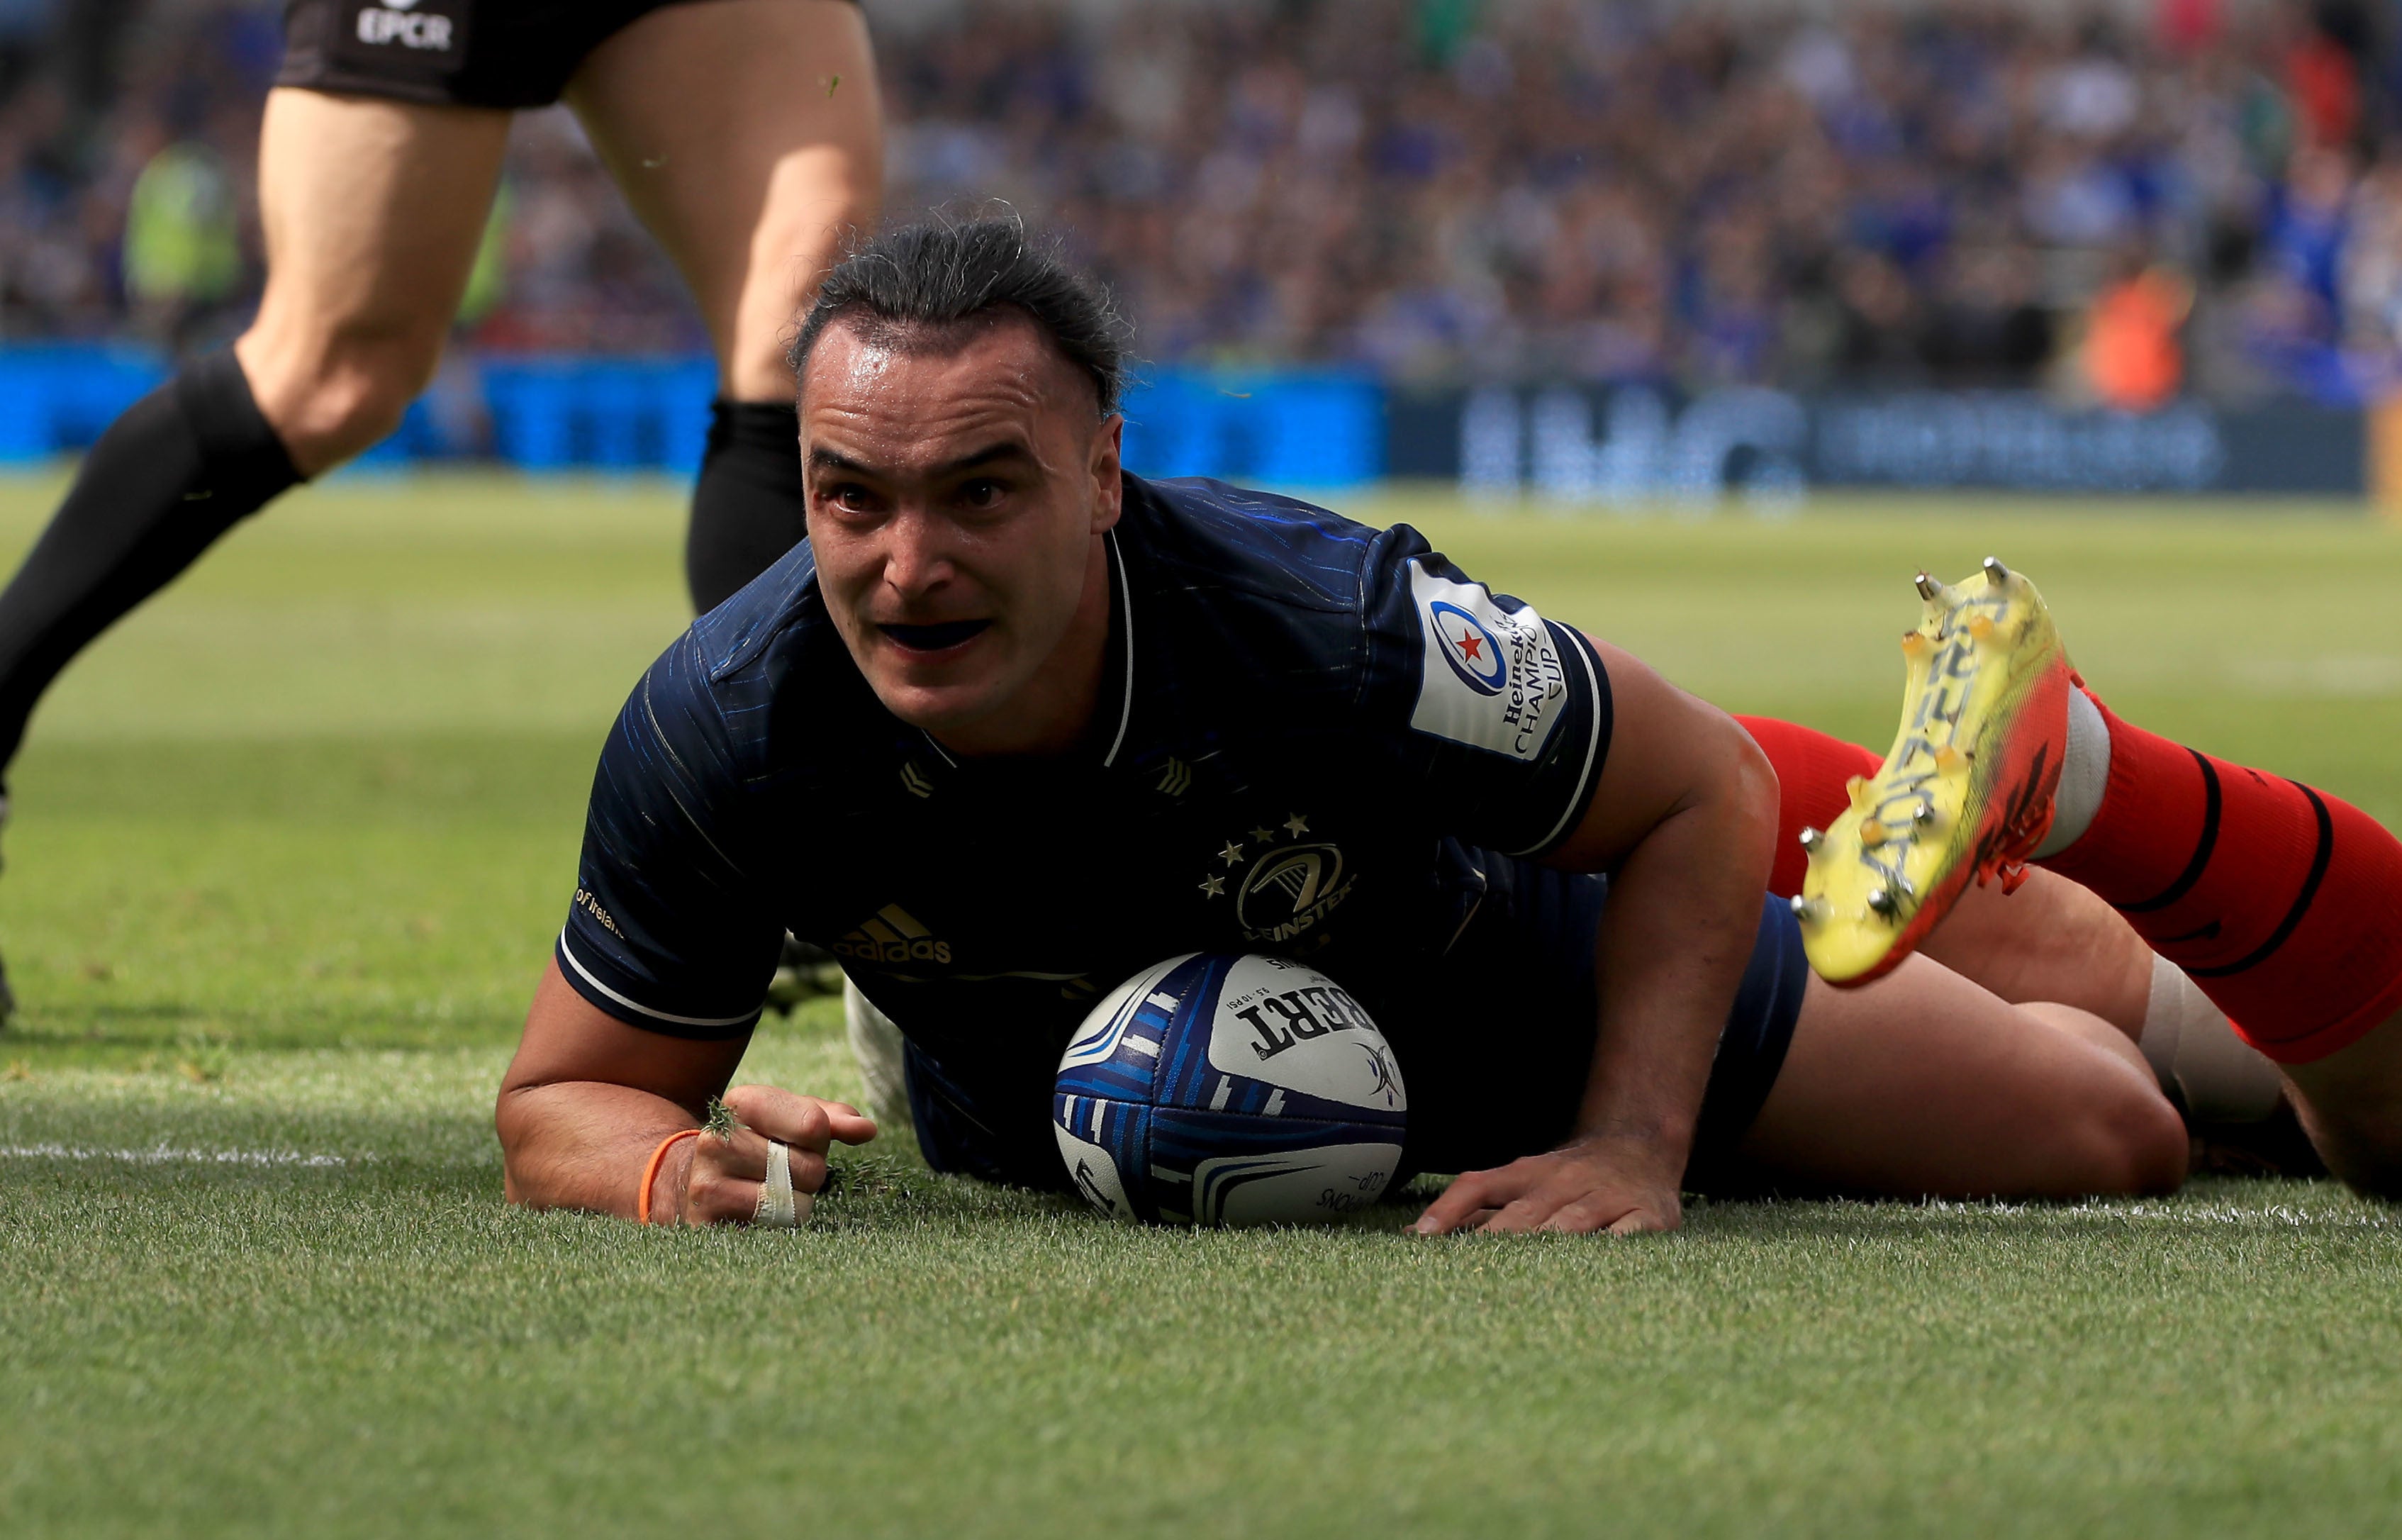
x=779 y=1206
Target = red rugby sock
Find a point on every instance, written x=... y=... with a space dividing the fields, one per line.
x=1814 y=774
x=2283 y=903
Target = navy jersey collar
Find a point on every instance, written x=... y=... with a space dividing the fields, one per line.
x=1124 y=634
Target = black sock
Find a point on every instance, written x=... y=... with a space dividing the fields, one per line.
x=750 y=506
x=184 y=465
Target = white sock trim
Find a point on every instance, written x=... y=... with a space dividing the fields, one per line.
x=2084 y=775
x=2190 y=1044
x=2164 y=1020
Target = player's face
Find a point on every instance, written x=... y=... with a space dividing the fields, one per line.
x=957 y=501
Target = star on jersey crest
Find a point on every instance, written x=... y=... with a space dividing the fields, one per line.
x=1234 y=852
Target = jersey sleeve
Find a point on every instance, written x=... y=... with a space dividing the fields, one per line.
x=670 y=930
x=1502 y=717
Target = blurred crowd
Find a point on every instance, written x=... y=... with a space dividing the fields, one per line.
x=2122 y=199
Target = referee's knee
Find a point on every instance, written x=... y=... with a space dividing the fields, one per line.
x=331 y=398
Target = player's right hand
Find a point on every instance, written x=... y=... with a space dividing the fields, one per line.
x=718 y=1181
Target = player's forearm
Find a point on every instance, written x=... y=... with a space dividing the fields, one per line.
x=1677 y=931
x=583 y=1144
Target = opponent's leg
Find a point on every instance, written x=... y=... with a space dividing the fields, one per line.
x=2052 y=941
x=2351 y=1105
x=749 y=137
x=2283 y=903
x=1923 y=1084
x=2049 y=941
x=2055 y=941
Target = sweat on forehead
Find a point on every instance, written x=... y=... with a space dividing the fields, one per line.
x=920 y=338
x=877 y=333
x=936 y=286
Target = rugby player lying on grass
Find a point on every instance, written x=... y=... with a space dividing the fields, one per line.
x=1033 y=723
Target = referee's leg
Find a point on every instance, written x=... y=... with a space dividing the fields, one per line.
x=372 y=210
x=747 y=135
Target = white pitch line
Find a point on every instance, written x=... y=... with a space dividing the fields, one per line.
x=161 y=1155
x=2182 y=1213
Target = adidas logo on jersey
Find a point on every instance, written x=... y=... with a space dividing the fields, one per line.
x=893 y=935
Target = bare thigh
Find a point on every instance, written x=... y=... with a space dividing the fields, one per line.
x=1924 y=1085
x=749 y=136
x=2051 y=940
x=373 y=210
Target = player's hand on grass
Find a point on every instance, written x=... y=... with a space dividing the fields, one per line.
x=718 y=1182
x=1600 y=1183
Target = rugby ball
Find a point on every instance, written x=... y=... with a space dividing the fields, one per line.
x=1217 y=1089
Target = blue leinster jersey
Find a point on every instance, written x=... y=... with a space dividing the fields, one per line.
x=1314 y=739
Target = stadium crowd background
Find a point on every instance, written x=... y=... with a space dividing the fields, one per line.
x=2116 y=201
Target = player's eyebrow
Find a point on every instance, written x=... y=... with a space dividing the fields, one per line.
x=826 y=459
x=821 y=458
x=1008 y=449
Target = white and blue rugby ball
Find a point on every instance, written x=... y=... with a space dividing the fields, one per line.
x=1216 y=1088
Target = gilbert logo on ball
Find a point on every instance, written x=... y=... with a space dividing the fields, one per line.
x=1214 y=1088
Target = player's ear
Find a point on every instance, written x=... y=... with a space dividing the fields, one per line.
x=1109 y=491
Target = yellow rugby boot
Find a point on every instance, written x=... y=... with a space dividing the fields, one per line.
x=1966 y=791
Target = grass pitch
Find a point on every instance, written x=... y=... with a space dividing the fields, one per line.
x=290 y=847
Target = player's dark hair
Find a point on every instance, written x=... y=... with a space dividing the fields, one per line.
x=931 y=285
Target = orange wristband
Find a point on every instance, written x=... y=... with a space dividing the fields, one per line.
x=651 y=1170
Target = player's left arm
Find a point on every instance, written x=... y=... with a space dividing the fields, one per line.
x=1684 y=819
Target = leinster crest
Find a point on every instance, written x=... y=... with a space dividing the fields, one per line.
x=1282 y=882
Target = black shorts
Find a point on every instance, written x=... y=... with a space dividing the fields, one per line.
x=467 y=53
x=1495 y=1042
